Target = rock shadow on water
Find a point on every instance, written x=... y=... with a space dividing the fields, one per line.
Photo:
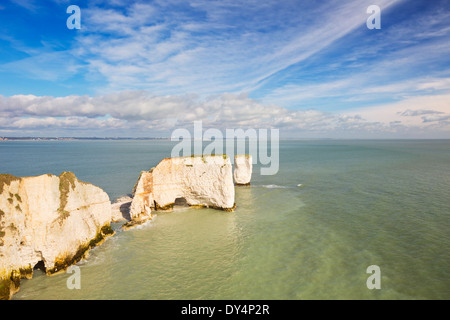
x=125 y=210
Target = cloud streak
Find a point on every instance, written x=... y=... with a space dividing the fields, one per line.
x=167 y=52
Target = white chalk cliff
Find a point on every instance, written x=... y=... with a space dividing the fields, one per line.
x=243 y=169
x=54 y=220
x=47 y=219
x=205 y=181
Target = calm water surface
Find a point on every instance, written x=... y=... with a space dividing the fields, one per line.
x=361 y=203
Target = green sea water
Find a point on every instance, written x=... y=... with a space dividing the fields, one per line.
x=360 y=203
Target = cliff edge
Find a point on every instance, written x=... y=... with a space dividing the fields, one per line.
x=47 y=220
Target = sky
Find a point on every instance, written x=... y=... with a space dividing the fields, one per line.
x=312 y=69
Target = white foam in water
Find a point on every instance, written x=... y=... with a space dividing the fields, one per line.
x=274 y=186
x=144 y=225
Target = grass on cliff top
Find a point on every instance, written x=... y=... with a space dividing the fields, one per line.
x=66 y=182
x=208 y=155
x=2 y=233
x=224 y=156
x=203 y=156
x=6 y=179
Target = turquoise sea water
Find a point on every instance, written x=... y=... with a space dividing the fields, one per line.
x=361 y=203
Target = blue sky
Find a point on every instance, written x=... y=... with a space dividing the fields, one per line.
x=143 y=68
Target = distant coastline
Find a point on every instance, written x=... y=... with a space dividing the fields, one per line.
x=169 y=139
x=72 y=138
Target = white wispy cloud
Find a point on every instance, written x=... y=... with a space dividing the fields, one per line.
x=27 y=4
x=156 y=51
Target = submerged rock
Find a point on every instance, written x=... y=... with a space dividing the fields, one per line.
x=47 y=220
x=243 y=169
x=204 y=181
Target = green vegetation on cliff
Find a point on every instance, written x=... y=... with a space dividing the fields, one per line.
x=6 y=179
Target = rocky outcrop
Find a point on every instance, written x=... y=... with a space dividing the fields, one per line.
x=140 y=208
x=48 y=220
x=242 y=169
x=120 y=209
x=204 y=181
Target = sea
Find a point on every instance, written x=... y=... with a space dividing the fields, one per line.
x=314 y=230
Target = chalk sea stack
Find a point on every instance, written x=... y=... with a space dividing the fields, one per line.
x=243 y=169
x=203 y=181
x=47 y=220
